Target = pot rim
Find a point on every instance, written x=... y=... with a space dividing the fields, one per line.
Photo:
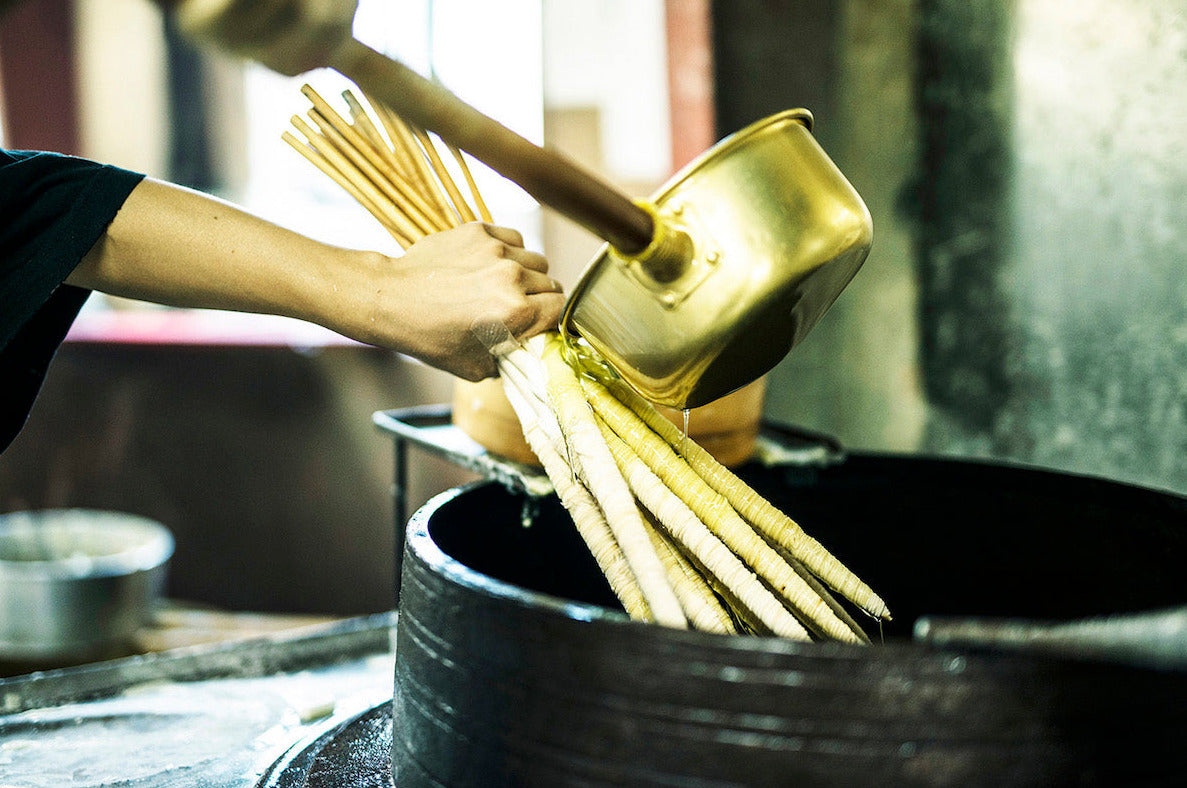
x=151 y=544
x=426 y=548
x=953 y=657
x=420 y=541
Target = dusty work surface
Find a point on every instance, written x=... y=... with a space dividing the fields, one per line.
x=219 y=715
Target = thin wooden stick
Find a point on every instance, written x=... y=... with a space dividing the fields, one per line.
x=335 y=127
x=404 y=145
x=417 y=212
x=363 y=124
x=349 y=168
x=399 y=149
x=323 y=164
x=373 y=198
x=368 y=129
x=422 y=148
x=401 y=163
x=455 y=195
x=483 y=211
x=356 y=136
x=425 y=178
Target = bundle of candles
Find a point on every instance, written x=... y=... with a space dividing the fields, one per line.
x=682 y=541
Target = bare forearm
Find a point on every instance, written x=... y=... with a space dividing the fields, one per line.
x=174 y=246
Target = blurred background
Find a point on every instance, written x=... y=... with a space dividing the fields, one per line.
x=1025 y=163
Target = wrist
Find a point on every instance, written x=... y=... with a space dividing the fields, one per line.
x=345 y=295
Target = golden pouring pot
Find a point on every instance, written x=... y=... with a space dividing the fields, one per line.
x=776 y=232
x=707 y=286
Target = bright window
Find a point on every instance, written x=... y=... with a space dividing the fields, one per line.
x=489 y=54
x=605 y=63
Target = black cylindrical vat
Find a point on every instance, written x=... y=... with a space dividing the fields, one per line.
x=515 y=666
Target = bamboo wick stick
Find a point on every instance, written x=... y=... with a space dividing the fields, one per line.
x=422 y=148
x=346 y=183
x=347 y=139
x=461 y=207
x=402 y=134
x=403 y=171
x=436 y=175
x=483 y=211
x=330 y=161
x=396 y=133
x=387 y=184
x=455 y=194
x=391 y=208
x=365 y=161
x=363 y=123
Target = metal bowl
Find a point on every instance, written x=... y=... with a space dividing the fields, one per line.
x=76 y=583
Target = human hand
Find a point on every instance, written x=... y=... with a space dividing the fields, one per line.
x=175 y=246
x=288 y=36
x=429 y=302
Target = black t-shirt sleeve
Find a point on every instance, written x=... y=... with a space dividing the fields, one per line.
x=53 y=208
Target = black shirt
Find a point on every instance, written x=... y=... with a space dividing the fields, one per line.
x=53 y=208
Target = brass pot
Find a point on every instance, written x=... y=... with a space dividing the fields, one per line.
x=773 y=233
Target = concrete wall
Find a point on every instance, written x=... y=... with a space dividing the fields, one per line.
x=1026 y=296
x=855 y=376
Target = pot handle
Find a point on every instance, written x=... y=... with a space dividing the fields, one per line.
x=1153 y=640
x=551 y=178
